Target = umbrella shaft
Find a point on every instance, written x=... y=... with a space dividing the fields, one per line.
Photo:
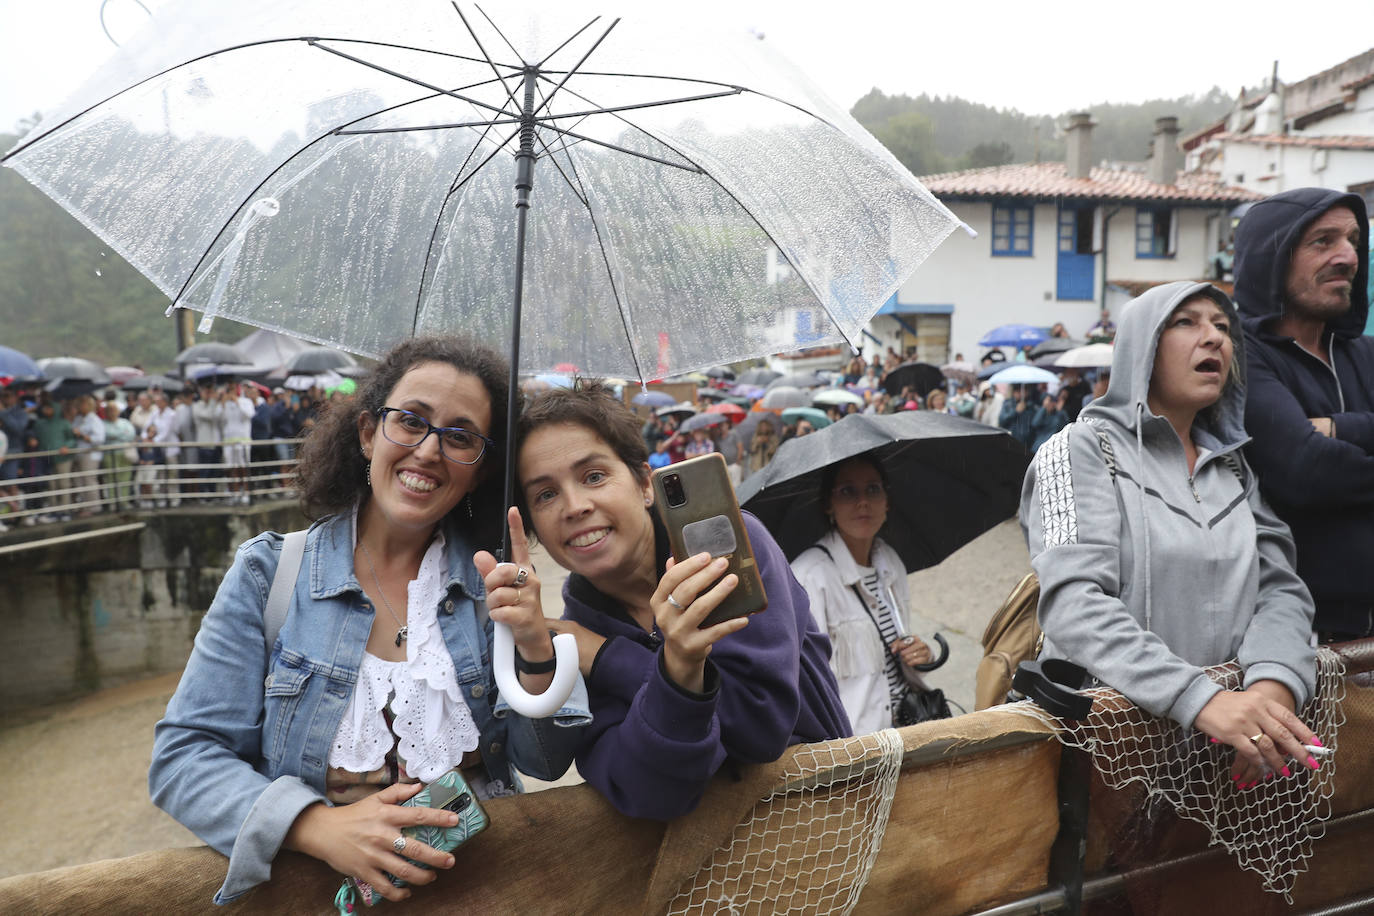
x=524 y=185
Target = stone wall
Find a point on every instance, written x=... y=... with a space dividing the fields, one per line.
x=102 y=611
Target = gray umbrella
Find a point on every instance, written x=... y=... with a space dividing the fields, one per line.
x=760 y=377
x=950 y=479
x=73 y=369
x=212 y=351
x=797 y=380
x=316 y=360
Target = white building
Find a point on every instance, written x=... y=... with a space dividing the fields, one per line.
x=1317 y=132
x=1057 y=242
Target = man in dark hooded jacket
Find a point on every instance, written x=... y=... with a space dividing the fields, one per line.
x=1302 y=272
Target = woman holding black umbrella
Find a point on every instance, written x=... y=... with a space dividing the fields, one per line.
x=858 y=590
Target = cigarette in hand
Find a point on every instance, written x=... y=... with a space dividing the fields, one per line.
x=1319 y=751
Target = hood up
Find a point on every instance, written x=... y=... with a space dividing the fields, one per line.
x=1133 y=359
x=1264 y=244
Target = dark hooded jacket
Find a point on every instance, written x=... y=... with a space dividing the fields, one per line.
x=1323 y=487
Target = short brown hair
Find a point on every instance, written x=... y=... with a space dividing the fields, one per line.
x=593 y=406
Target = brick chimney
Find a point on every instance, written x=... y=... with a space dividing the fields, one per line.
x=1165 y=156
x=1078 y=145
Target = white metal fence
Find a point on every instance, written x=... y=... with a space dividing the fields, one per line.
x=144 y=476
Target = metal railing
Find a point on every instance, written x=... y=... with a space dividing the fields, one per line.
x=145 y=476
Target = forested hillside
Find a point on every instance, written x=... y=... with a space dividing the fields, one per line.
x=931 y=134
x=63 y=291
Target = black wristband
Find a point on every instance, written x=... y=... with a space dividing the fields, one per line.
x=523 y=666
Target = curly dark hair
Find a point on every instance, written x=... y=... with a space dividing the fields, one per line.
x=331 y=472
x=593 y=406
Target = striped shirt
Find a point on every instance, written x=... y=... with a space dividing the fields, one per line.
x=887 y=627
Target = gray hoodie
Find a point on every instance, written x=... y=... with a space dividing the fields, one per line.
x=1146 y=579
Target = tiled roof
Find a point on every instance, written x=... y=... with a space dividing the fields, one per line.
x=1334 y=142
x=1048 y=180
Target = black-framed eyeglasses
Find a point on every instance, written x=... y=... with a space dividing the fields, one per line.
x=410 y=429
x=849 y=493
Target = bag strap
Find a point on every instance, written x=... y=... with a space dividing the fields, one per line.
x=283 y=584
x=860 y=595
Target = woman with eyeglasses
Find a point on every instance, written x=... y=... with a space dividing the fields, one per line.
x=858 y=590
x=380 y=678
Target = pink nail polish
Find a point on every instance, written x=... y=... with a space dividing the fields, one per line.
x=1312 y=762
x=1286 y=771
x=1268 y=776
x=1317 y=741
x=1213 y=740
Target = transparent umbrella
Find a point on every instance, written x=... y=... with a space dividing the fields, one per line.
x=323 y=168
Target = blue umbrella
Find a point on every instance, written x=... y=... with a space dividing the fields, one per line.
x=1022 y=374
x=653 y=399
x=1013 y=335
x=18 y=365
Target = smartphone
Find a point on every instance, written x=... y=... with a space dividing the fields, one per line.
x=450 y=792
x=696 y=503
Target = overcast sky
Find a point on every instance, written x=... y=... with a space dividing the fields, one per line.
x=1041 y=58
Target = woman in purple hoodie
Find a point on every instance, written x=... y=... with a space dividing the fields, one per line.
x=670 y=702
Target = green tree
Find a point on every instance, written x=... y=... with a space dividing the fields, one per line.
x=910 y=136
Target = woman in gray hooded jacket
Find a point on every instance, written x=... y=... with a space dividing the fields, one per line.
x=1156 y=554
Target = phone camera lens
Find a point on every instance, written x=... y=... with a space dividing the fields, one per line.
x=672 y=489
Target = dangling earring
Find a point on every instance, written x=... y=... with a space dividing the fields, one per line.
x=367 y=468
x=467 y=500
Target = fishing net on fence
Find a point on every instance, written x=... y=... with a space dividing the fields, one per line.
x=809 y=845
x=1270 y=829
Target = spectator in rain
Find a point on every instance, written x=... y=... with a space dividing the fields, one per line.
x=119 y=462
x=763 y=446
x=208 y=412
x=236 y=419
x=701 y=443
x=659 y=457
x=936 y=400
x=854 y=371
x=963 y=402
x=1059 y=330
x=1100 y=384
x=52 y=433
x=161 y=433
x=14 y=423
x=1077 y=389
x=1018 y=417
x=989 y=409
x=1050 y=417
x=1104 y=329
x=89 y=431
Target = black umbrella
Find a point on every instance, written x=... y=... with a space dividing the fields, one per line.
x=950 y=480
x=1055 y=345
x=758 y=377
x=720 y=372
x=317 y=360
x=797 y=380
x=212 y=351
x=922 y=378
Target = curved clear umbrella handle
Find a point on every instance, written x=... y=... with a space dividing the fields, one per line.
x=534 y=706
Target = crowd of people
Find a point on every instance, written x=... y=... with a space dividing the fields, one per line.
x=111 y=449
x=1165 y=538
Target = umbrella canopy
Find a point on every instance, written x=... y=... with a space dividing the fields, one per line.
x=964 y=373
x=314 y=360
x=780 y=398
x=733 y=411
x=1013 y=335
x=18 y=365
x=702 y=421
x=1092 y=356
x=653 y=399
x=213 y=351
x=680 y=409
x=120 y=375
x=1054 y=345
x=712 y=394
x=817 y=417
x=149 y=382
x=796 y=380
x=921 y=377
x=720 y=372
x=757 y=377
x=746 y=390
x=306 y=381
x=836 y=397
x=950 y=479
x=205 y=372
x=73 y=369
x=1021 y=374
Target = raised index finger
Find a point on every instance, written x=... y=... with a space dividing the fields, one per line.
x=519 y=544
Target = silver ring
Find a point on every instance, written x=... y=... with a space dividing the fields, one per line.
x=521 y=576
x=673 y=602
x=399 y=844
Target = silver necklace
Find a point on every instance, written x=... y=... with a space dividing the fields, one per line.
x=404 y=630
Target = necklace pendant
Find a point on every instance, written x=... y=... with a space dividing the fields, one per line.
x=401 y=635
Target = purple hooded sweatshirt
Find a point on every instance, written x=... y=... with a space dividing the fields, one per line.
x=653 y=746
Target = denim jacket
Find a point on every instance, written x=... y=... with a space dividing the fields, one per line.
x=244 y=745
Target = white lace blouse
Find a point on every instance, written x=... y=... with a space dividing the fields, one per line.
x=432 y=724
